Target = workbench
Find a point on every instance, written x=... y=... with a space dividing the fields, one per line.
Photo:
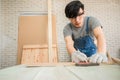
x=22 y=72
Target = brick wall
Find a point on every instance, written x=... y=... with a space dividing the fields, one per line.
x=107 y=11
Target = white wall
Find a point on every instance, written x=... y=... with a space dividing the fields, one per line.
x=107 y=11
x=0 y=34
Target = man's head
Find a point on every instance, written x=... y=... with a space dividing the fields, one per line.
x=74 y=11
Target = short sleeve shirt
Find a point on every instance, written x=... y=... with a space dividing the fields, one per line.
x=70 y=29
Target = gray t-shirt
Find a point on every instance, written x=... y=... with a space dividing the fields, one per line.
x=70 y=29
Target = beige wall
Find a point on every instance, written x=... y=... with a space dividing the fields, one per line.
x=107 y=11
x=0 y=35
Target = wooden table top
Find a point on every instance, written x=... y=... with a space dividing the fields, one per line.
x=22 y=72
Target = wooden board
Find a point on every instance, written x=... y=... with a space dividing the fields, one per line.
x=21 y=72
x=103 y=72
x=33 y=30
x=55 y=73
x=36 y=54
x=50 y=31
x=51 y=64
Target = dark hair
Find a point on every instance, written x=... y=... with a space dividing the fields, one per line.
x=72 y=9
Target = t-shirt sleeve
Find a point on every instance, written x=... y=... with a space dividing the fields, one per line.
x=94 y=22
x=67 y=31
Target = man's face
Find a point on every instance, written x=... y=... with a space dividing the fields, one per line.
x=78 y=21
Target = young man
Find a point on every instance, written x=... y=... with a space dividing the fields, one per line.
x=80 y=33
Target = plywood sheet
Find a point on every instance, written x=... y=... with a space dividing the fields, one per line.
x=34 y=30
x=103 y=72
x=21 y=72
x=36 y=54
x=55 y=73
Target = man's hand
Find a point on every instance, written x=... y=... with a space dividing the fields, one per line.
x=78 y=56
x=98 y=58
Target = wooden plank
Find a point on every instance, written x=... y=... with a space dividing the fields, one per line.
x=50 y=31
x=19 y=72
x=27 y=56
x=33 y=54
x=55 y=73
x=116 y=60
x=112 y=60
x=38 y=46
x=103 y=72
x=52 y=64
x=36 y=56
x=54 y=55
x=44 y=55
x=38 y=73
x=66 y=64
x=44 y=51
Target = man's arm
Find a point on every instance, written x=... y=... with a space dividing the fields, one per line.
x=69 y=44
x=76 y=56
x=101 y=42
x=100 y=56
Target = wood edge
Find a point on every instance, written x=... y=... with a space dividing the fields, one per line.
x=38 y=46
x=51 y=64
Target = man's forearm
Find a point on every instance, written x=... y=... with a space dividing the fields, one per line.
x=70 y=49
x=101 y=44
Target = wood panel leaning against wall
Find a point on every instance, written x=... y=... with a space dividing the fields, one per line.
x=33 y=37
